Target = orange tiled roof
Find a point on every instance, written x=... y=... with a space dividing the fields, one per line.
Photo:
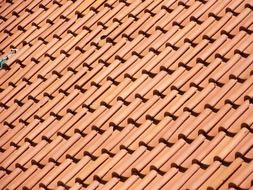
x=129 y=94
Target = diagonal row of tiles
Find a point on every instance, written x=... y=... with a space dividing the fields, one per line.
x=127 y=95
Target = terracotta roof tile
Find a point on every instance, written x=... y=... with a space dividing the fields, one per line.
x=126 y=94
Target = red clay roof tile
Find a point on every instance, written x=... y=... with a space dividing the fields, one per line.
x=126 y=94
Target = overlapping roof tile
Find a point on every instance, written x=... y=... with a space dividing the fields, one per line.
x=127 y=94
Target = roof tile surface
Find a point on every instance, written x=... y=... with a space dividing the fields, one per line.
x=126 y=94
